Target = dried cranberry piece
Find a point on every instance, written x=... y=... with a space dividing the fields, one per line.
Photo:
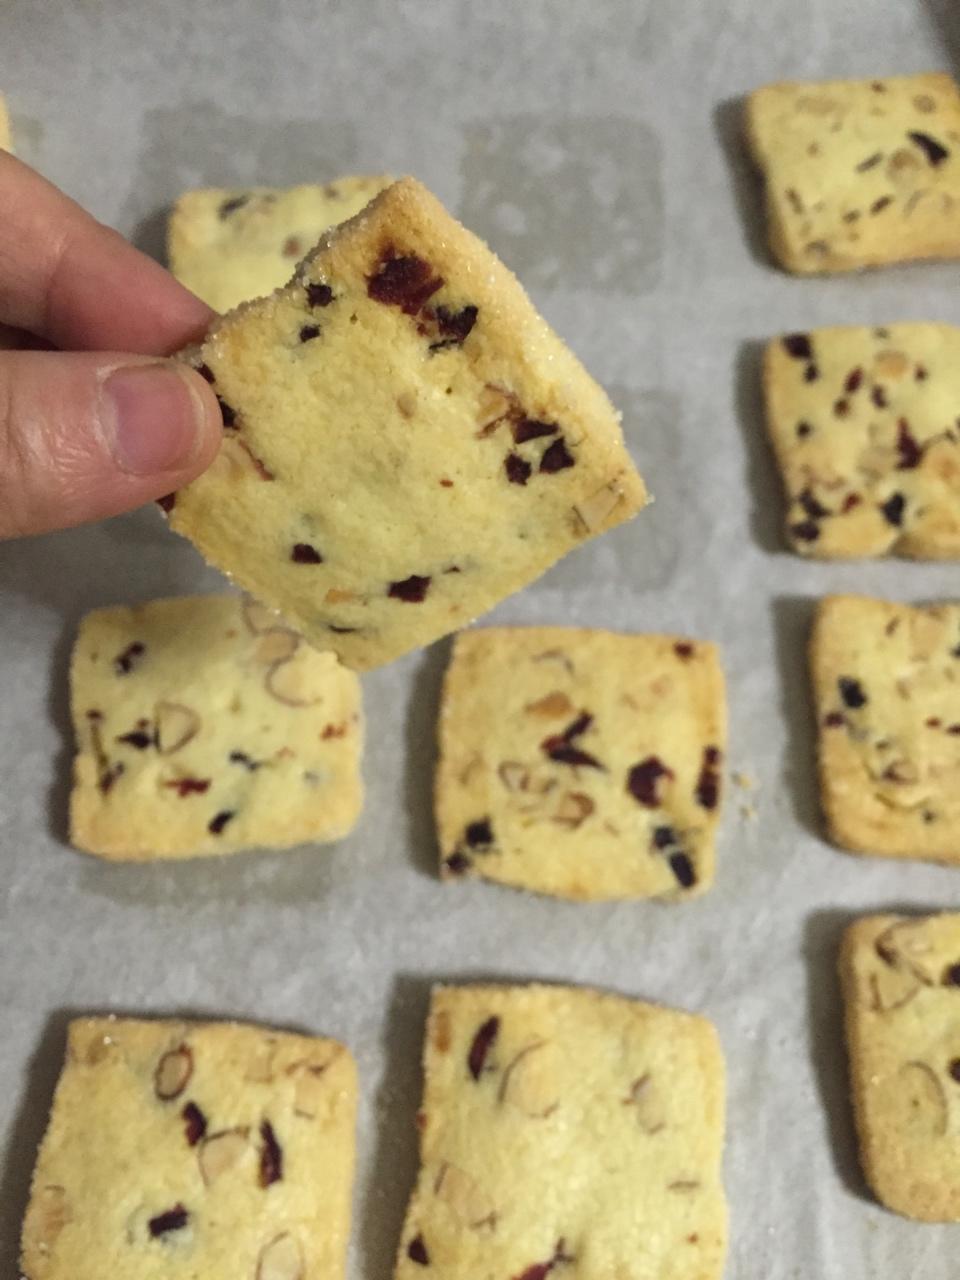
x=404 y=281
x=850 y=501
x=411 y=590
x=303 y=553
x=458 y=864
x=556 y=457
x=803 y=430
x=834 y=719
x=643 y=781
x=814 y=509
x=879 y=397
x=811 y=373
x=935 y=151
x=417 y=1251
x=308 y=332
x=841 y=408
x=562 y=748
x=530 y=429
x=319 y=295
x=479 y=834
x=219 y=821
x=540 y=1270
x=854 y=379
x=682 y=868
x=893 y=509
x=271 y=1156
x=232 y=204
x=195 y=1122
x=708 y=784
x=799 y=346
x=109 y=776
x=683 y=649
x=454 y=325
x=228 y=414
x=241 y=757
x=806 y=530
x=167 y=502
x=124 y=662
x=664 y=838
x=518 y=469
x=482 y=1044
x=852 y=693
x=911 y=453
x=137 y=738
x=951 y=975
x=954 y=1069
x=206 y=373
x=188 y=786
x=174 y=1219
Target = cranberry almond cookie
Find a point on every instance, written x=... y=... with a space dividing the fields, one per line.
x=566 y=1131
x=228 y=246
x=886 y=683
x=407 y=441
x=866 y=428
x=205 y=726
x=580 y=763
x=181 y=1150
x=901 y=984
x=859 y=173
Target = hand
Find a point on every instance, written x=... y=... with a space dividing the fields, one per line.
x=101 y=422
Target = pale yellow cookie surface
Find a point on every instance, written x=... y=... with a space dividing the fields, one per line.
x=231 y=245
x=887 y=691
x=581 y=763
x=901 y=983
x=565 y=1131
x=182 y=1150
x=866 y=427
x=407 y=441
x=204 y=726
x=859 y=173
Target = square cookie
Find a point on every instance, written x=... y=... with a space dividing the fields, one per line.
x=229 y=246
x=566 y=1130
x=204 y=726
x=177 y=1150
x=866 y=428
x=859 y=173
x=407 y=441
x=886 y=681
x=901 y=985
x=584 y=764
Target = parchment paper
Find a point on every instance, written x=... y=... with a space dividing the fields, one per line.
x=596 y=146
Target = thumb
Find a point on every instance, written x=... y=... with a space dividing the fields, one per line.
x=87 y=436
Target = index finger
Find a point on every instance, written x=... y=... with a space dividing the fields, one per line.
x=66 y=277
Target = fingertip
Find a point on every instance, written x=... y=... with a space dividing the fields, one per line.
x=162 y=420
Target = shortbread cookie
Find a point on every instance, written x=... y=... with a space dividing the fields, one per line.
x=184 y=1150
x=6 y=142
x=866 y=427
x=859 y=172
x=901 y=981
x=887 y=686
x=567 y=1131
x=228 y=246
x=580 y=763
x=407 y=442
x=204 y=726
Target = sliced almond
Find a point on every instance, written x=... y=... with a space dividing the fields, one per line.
x=529 y=1080
x=407 y=403
x=260 y=1066
x=336 y=595
x=276 y=646
x=644 y=1098
x=595 y=511
x=173 y=1072
x=259 y=618
x=221 y=1152
x=309 y=1090
x=288 y=683
x=891 y=364
x=891 y=989
x=49 y=1214
x=928 y=633
x=465 y=1197
x=925 y=1103
x=554 y=706
x=513 y=775
x=281 y=1259
x=176 y=726
x=494 y=404
x=574 y=809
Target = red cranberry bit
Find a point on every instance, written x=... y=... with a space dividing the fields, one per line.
x=458 y=864
x=229 y=415
x=195 y=1123
x=834 y=719
x=232 y=204
x=683 y=649
x=878 y=206
x=954 y=1069
x=664 y=838
x=920 y=373
x=851 y=691
x=933 y=722
x=799 y=346
x=109 y=776
x=219 y=821
x=803 y=430
x=879 y=397
x=412 y=590
x=124 y=662
x=174 y=1219
x=814 y=509
x=94 y=715
x=319 y=295
x=562 y=749
x=540 y=1270
x=482 y=1044
x=417 y=1251
x=708 y=784
x=951 y=976
x=935 y=151
x=309 y=331
x=682 y=868
x=404 y=281
x=893 y=509
x=518 y=469
x=137 y=738
x=292 y=248
x=206 y=373
x=167 y=502
x=188 y=786
x=455 y=326
x=954 y=729
x=911 y=454
x=556 y=458
x=811 y=373
x=854 y=379
x=644 y=779
x=271 y=1156
x=841 y=408
x=850 y=501
x=530 y=429
x=303 y=553
x=479 y=834
x=806 y=530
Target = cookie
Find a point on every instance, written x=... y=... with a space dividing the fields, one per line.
x=901 y=985
x=204 y=726
x=866 y=428
x=231 y=245
x=566 y=1132
x=581 y=763
x=886 y=683
x=407 y=442
x=859 y=173
x=177 y=1150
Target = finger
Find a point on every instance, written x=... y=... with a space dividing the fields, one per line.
x=66 y=277
x=88 y=436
